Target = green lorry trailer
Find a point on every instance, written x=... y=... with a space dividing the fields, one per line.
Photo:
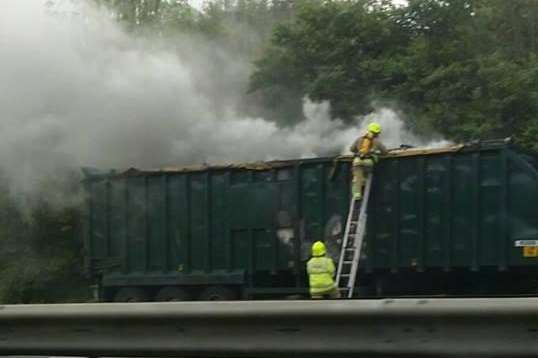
x=461 y=220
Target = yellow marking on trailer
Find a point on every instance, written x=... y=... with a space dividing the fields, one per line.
x=530 y=251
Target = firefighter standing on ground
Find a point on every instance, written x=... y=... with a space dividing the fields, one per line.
x=320 y=269
x=365 y=149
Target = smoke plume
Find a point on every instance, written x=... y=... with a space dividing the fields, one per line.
x=79 y=91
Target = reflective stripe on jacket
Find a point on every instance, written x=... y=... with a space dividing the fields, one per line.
x=320 y=274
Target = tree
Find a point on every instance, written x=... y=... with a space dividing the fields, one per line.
x=464 y=68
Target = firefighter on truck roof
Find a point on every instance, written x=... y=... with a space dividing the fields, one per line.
x=365 y=149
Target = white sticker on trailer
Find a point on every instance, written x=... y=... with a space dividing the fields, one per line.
x=526 y=243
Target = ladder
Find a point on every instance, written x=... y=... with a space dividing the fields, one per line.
x=350 y=252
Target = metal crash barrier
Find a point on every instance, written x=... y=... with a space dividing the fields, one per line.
x=418 y=327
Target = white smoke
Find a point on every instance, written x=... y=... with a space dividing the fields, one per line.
x=82 y=92
x=395 y=132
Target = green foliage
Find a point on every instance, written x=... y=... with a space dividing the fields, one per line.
x=242 y=24
x=332 y=51
x=464 y=68
x=41 y=256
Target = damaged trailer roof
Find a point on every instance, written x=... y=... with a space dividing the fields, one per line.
x=91 y=173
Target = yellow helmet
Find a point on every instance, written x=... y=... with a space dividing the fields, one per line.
x=374 y=128
x=318 y=249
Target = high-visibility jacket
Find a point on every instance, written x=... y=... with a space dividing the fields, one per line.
x=320 y=275
x=364 y=148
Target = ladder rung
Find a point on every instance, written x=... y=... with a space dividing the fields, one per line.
x=348 y=262
x=350 y=248
x=345 y=275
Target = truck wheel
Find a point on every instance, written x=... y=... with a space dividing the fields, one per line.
x=171 y=294
x=218 y=293
x=131 y=294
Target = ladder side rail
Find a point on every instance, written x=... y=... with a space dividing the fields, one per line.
x=355 y=264
x=345 y=241
x=359 y=236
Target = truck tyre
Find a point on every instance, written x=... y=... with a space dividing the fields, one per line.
x=131 y=294
x=171 y=294
x=218 y=293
